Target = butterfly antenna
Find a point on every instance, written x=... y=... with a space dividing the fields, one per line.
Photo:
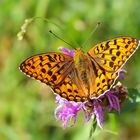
x=50 y=31
x=93 y=31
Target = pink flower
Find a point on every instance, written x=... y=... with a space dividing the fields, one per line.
x=112 y=99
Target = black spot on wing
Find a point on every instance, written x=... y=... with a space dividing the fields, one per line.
x=43 y=70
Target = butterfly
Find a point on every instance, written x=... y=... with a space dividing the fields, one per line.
x=84 y=76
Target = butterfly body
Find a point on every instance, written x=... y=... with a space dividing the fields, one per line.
x=85 y=74
x=82 y=77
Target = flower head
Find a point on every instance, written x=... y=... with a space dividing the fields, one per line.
x=24 y=27
x=111 y=100
x=67 y=110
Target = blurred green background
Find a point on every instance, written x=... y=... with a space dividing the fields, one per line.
x=27 y=106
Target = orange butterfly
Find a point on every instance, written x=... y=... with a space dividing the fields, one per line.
x=84 y=76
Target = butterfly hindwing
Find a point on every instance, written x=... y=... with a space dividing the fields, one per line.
x=103 y=82
x=69 y=91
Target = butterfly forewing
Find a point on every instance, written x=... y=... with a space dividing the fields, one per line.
x=48 y=68
x=112 y=54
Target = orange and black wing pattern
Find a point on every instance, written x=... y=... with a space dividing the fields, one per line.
x=54 y=69
x=108 y=58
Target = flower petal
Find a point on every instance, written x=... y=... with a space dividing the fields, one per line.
x=114 y=102
x=87 y=115
x=122 y=73
x=98 y=111
x=67 y=51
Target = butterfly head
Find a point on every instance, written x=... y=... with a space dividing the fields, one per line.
x=79 y=57
x=78 y=52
